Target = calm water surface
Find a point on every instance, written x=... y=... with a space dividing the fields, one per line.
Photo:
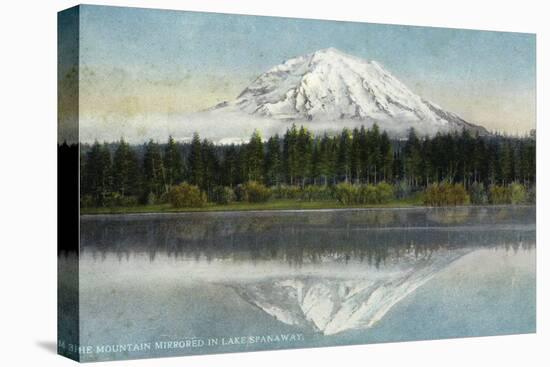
x=317 y=277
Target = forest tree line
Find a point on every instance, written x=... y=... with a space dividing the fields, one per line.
x=131 y=174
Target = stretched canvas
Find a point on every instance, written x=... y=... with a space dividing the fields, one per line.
x=233 y=183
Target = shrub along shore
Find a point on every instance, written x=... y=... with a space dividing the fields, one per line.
x=256 y=196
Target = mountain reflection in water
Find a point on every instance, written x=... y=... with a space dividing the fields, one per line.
x=321 y=271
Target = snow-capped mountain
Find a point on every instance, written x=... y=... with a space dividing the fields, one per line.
x=331 y=86
x=331 y=305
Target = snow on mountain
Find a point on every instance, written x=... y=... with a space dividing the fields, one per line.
x=332 y=304
x=331 y=86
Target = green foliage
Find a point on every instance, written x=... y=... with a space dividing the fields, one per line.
x=126 y=178
x=97 y=175
x=231 y=167
x=412 y=152
x=304 y=167
x=346 y=193
x=273 y=162
x=518 y=194
x=222 y=195
x=291 y=155
x=255 y=157
x=386 y=156
x=287 y=192
x=186 y=196
x=325 y=164
x=366 y=194
x=173 y=162
x=116 y=199
x=195 y=162
x=446 y=194
x=515 y=193
x=210 y=166
x=305 y=154
x=343 y=163
x=403 y=189
x=255 y=192
x=128 y=201
x=532 y=194
x=349 y=194
x=87 y=201
x=153 y=170
x=316 y=193
x=150 y=199
x=478 y=194
x=499 y=194
x=384 y=193
x=240 y=193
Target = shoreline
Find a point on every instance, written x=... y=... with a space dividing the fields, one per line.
x=266 y=208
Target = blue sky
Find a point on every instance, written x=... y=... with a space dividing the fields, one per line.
x=204 y=58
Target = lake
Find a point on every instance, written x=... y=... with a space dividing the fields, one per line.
x=191 y=283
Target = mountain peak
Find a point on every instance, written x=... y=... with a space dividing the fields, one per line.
x=329 y=85
x=331 y=51
x=334 y=56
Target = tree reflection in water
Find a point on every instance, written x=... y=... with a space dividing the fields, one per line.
x=298 y=237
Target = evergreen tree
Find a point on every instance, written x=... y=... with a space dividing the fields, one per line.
x=343 y=161
x=324 y=160
x=194 y=162
x=230 y=167
x=374 y=155
x=363 y=155
x=386 y=153
x=427 y=163
x=290 y=155
x=273 y=162
x=412 y=159
x=506 y=163
x=479 y=160
x=530 y=158
x=305 y=150
x=173 y=163
x=397 y=168
x=98 y=174
x=154 y=179
x=493 y=168
x=210 y=166
x=465 y=151
x=451 y=157
x=107 y=177
x=315 y=157
x=242 y=167
x=125 y=170
x=355 y=156
x=254 y=157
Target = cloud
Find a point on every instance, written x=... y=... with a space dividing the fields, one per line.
x=219 y=127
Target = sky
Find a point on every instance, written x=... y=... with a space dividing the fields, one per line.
x=140 y=67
